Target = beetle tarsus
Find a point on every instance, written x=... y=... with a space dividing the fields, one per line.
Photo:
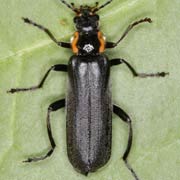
x=163 y=74
x=23 y=89
x=11 y=91
x=26 y=20
x=148 y=20
x=28 y=160
x=35 y=159
x=131 y=169
x=159 y=74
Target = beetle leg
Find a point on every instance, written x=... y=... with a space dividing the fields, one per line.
x=115 y=62
x=112 y=44
x=123 y=115
x=62 y=44
x=57 y=67
x=53 y=107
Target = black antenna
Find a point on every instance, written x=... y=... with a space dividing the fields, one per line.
x=102 y=6
x=70 y=6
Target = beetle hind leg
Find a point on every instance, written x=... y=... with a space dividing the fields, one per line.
x=53 y=107
x=124 y=116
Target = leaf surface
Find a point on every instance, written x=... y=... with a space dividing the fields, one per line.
x=153 y=103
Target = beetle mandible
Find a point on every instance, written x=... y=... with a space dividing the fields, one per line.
x=88 y=101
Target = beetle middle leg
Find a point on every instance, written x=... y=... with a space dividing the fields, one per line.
x=53 y=107
x=118 y=61
x=124 y=116
x=57 y=67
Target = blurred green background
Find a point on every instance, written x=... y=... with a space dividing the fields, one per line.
x=153 y=103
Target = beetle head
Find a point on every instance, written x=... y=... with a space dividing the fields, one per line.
x=86 y=19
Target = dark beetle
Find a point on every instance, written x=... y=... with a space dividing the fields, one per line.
x=89 y=112
x=88 y=102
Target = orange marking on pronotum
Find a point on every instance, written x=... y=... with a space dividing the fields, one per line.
x=102 y=42
x=74 y=42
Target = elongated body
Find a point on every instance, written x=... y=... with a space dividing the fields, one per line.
x=88 y=102
x=89 y=112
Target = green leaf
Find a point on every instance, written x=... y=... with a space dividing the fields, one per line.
x=153 y=103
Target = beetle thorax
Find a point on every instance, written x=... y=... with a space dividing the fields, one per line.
x=90 y=43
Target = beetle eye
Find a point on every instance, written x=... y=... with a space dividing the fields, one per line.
x=96 y=17
x=75 y=19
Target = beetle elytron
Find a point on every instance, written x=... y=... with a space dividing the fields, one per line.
x=88 y=102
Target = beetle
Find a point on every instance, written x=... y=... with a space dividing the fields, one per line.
x=88 y=102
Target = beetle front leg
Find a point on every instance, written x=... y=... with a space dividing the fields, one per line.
x=112 y=44
x=115 y=62
x=57 y=67
x=53 y=107
x=47 y=31
x=124 y=116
